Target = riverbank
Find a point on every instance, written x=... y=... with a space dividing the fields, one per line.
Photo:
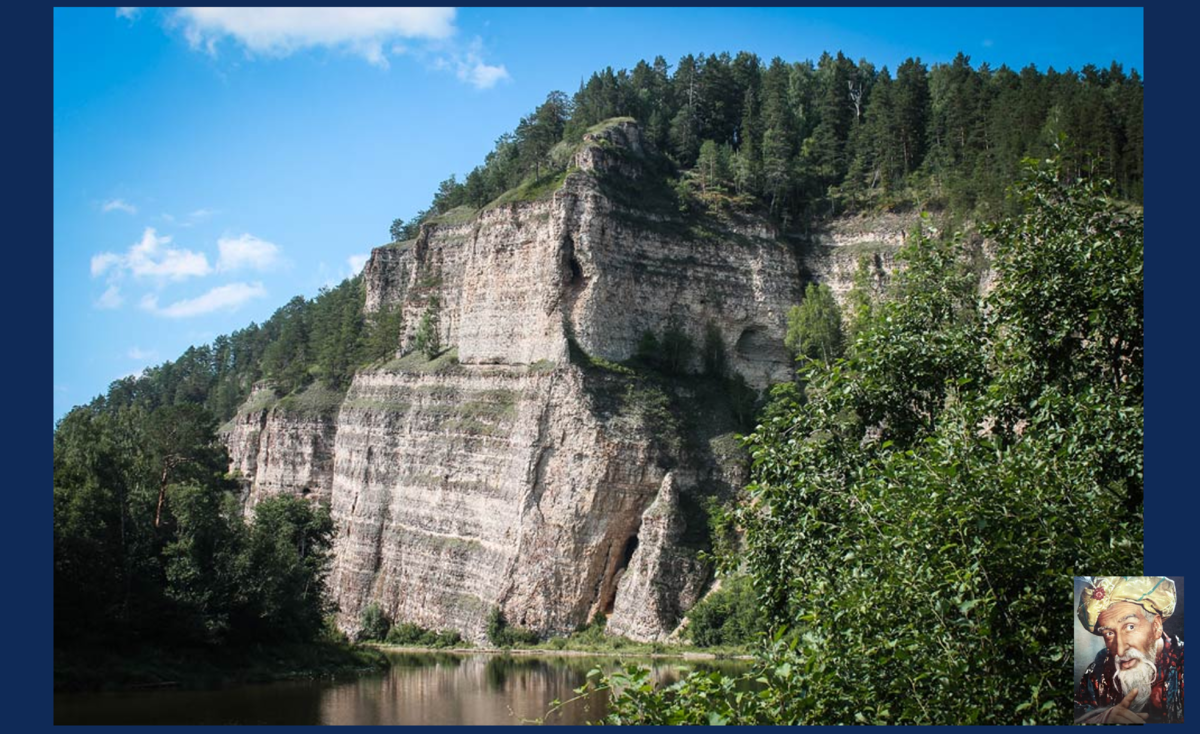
x=552 y=652
x=96 y=669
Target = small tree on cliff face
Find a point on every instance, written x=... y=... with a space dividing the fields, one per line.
x=383 y=332
x=428 y=341
x=815 y=326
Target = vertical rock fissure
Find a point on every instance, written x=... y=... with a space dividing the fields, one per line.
x=614 y=578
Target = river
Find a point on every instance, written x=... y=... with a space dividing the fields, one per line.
x=419 y=688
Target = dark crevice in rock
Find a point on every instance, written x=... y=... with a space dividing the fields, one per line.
x=616 y=569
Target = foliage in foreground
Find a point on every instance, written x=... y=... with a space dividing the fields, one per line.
x=912 y=526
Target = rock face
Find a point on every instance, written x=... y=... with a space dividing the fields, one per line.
x=459 y=492
x=276 y=446
x=522 y=471
x=837 y=251
x=520 y=278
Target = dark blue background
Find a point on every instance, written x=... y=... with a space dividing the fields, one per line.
x=1172 y=287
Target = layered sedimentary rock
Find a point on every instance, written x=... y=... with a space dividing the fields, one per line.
x=276 y=446
x=517 y=472
x=515 y=281
x=836 y=252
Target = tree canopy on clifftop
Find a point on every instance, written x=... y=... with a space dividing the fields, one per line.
x=805 y=139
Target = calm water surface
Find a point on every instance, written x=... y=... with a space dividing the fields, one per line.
x=418 y=689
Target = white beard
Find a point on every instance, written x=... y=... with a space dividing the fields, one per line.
x=1140 y=676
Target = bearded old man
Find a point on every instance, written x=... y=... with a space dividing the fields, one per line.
x=1138 y=676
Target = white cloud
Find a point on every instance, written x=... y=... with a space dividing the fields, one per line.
x=468 y=65
x=110 y=299
x=118 y=205
x=246 y=251
x=483 y=76
x=150 y=257
x=129 y=13
x=102 y=262
x=357 y=262
x=139 y=354
x=283 y=31
x=222 y=298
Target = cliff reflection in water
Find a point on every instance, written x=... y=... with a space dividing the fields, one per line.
x=418 y=689
x=447 y=689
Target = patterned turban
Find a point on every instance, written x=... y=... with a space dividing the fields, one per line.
x=1155 y=594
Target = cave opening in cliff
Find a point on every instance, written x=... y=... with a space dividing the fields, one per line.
x=574 y=271
x=750 y=343
x=627 y=552
x=756 y=345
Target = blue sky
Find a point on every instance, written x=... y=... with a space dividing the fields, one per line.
x=210 y=164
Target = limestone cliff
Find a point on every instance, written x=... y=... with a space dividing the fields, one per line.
x=522 y=470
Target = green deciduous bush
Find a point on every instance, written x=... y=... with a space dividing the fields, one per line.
x=372 y=623
x=407 y=633
x=814 y=328
x=728 y=617
x=501 y=634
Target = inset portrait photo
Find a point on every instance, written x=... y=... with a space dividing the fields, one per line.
x=1129 y=649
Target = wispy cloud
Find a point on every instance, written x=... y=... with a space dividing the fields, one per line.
x=189 y=220
x=150 y=257
x=357 y=262
x=129 y=13
x=137 y=353
x=470 y=68
x=246 y=251
x=427 y=34
x=222 y=298
x=103 y=262
x=284 y=31
x=118 y=205
x=110 y=299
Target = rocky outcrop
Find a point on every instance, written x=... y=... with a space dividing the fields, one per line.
x=835 y=252
x=643 y=601
x=521 y=471
x=284 y=446
x=479 y=488
x=520 y=278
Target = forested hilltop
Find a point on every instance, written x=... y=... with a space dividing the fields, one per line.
x=945 y=456
x=804 y=140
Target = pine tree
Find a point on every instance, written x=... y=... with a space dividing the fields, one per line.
x=428 y=339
